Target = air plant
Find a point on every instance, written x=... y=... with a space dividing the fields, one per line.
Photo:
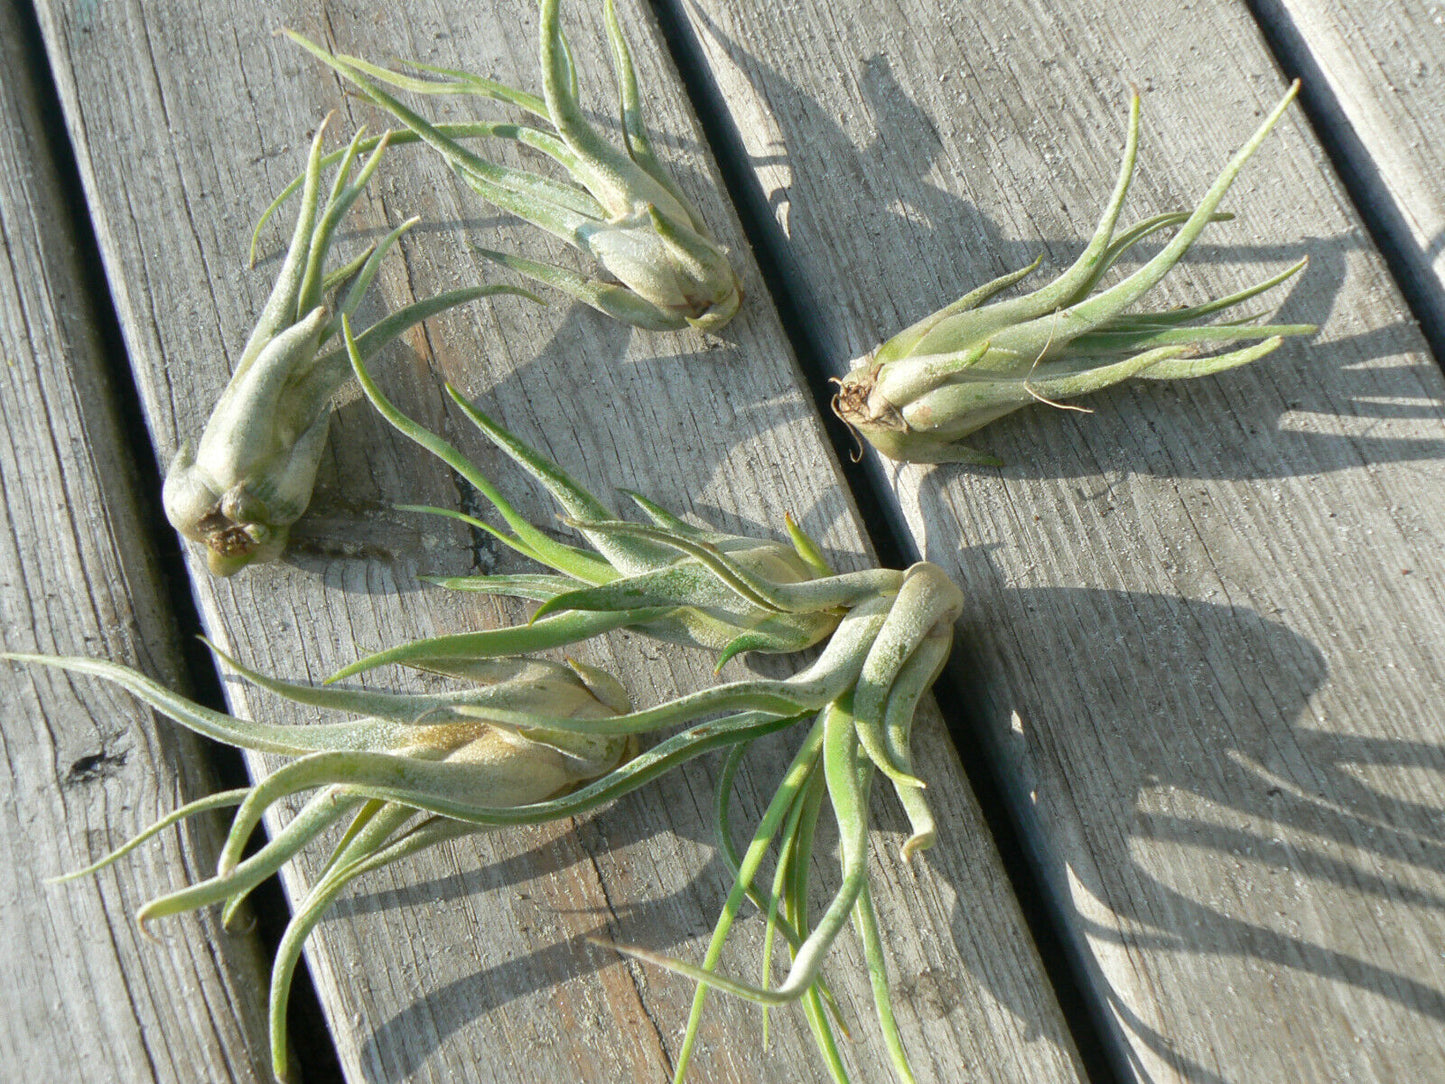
x=529 y=741
x=238 y=492
x=888 y=635
x=413 y=771
x=862 y=693
x=662 y=268
x=968 y=364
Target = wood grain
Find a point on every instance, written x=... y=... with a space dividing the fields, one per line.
x=469 y=963
x=87 y=997
x=1204 y=638
x=1374 y=77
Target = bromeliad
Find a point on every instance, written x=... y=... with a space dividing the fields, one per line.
x=412 y=771
x=885 y=634
x=540 y=740
x=663 y=268
x=920 y=393
x=238 y=492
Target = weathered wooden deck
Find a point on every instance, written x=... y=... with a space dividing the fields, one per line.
x=1200 y=686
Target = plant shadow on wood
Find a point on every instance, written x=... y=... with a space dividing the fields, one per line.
x=1332 y=402
x=1207 y=810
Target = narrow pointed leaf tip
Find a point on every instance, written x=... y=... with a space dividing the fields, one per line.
x=669 y=579
x=660 y=267
x=249 y=478
x=866 y=686
x=919 y=394
x=887 y=635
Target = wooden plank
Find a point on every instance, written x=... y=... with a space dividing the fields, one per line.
x=87 y=997
x=1204 y=633
x=469 y=963
x=1374 y=84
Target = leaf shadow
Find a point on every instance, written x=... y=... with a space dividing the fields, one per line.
x=1206 y=804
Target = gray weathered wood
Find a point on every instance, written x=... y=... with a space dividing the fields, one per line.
x=468 y=963
x=1376 y=77
x=1205 y=622
x=87 y=998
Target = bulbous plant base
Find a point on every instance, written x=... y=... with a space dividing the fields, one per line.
x=714 y=314
x=871 y=416
x=851 y=401
x=234 y=526
x=231 y=545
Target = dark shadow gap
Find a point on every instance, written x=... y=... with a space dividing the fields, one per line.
x=1104 y=1060
x=317 y=1061
x=1357 y=172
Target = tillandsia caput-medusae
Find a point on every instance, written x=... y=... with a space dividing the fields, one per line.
x=885 y=634
x=412 y=771
x=920 y=393
x=239 y=490
x=663 y=269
